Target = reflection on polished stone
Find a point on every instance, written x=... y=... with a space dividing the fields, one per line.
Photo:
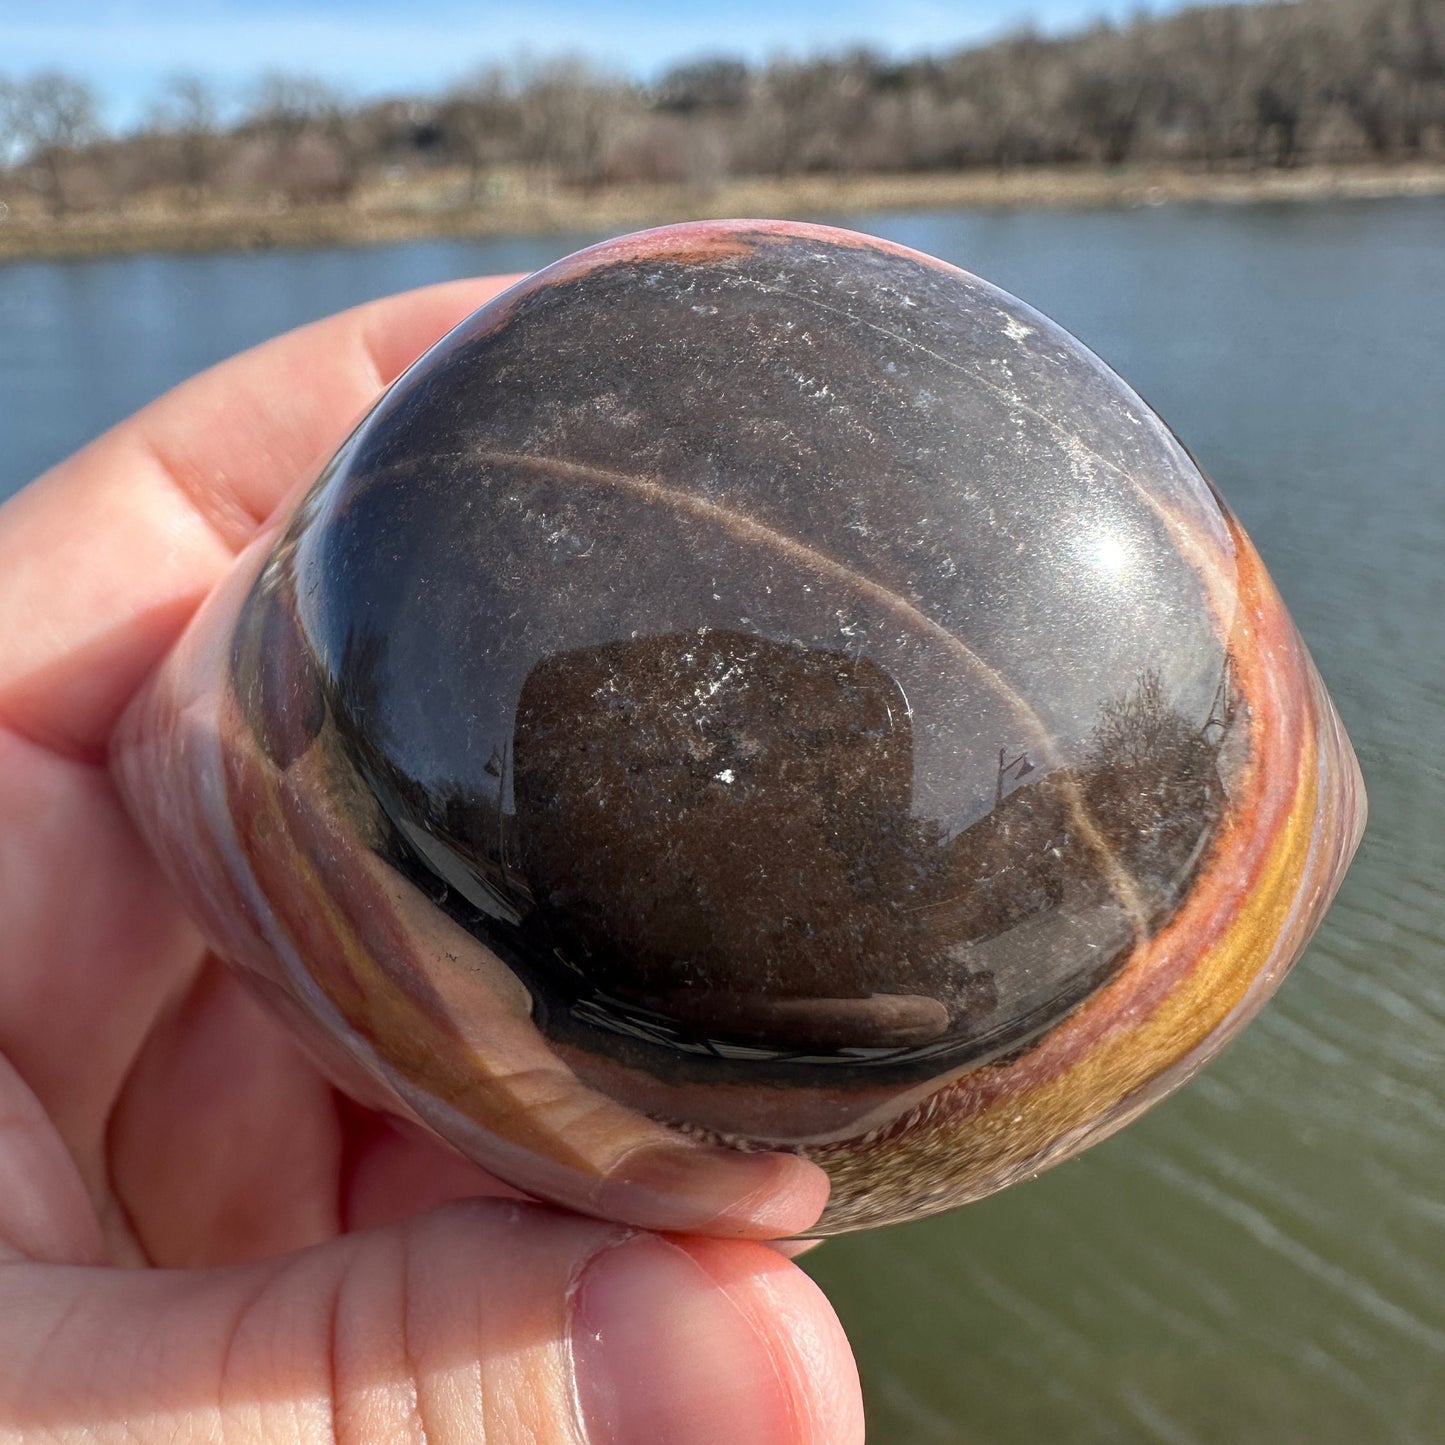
x=755 y=698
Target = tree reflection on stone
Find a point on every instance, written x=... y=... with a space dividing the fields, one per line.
x=710 y=838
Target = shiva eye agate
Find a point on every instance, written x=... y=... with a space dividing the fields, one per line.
x=753 y=699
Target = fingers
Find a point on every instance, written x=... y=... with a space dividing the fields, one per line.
x=487 y=1321
x=396 y=1170
x=92 y=945
x=45 y=1213
x=224 y=1145
x=103 y=560
x=227 y=1146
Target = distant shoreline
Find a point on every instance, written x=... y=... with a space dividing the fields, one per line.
x=412 y=210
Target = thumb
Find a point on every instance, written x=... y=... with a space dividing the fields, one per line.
x=486 y=1321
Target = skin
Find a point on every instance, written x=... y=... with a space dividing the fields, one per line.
x=199 y=1239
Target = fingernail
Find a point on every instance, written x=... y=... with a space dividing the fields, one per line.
x=663 y=1356
x=713 y=1190
x=793 y=1248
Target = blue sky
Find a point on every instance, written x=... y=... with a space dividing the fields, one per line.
x=377 y=47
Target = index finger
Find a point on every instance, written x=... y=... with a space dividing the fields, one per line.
x=103 y=560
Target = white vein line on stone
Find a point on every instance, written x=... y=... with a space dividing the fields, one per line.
x=749 y=529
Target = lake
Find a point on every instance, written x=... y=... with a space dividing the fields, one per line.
x=1261 y=1259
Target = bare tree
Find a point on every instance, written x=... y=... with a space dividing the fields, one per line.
x=481 y=119
x=9 y=130
x=188 y=112
x=1136 y=725
x=1207 y=46
x=1396 y=90
x=719 y=83
x=1262 y=82
x=809 y=115
x=1110 y=91
x=287 y=104
x=316 y=151
x=570 y=113
x=9 y=118
x=52 y=115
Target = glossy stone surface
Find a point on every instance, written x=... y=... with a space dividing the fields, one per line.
x=754 y=694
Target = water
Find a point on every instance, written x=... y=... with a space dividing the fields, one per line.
x=1263 y=1258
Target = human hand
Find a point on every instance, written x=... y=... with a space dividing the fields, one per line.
x=198 y=1237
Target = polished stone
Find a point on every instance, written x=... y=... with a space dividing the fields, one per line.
x=833 y=710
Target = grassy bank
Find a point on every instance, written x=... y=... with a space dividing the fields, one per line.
x=441 y=205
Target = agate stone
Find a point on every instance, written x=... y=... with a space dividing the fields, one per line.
x=754 y=699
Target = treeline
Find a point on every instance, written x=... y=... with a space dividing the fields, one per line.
x=1226 y=85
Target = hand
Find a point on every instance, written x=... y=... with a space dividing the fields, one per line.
x=198 y=1237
